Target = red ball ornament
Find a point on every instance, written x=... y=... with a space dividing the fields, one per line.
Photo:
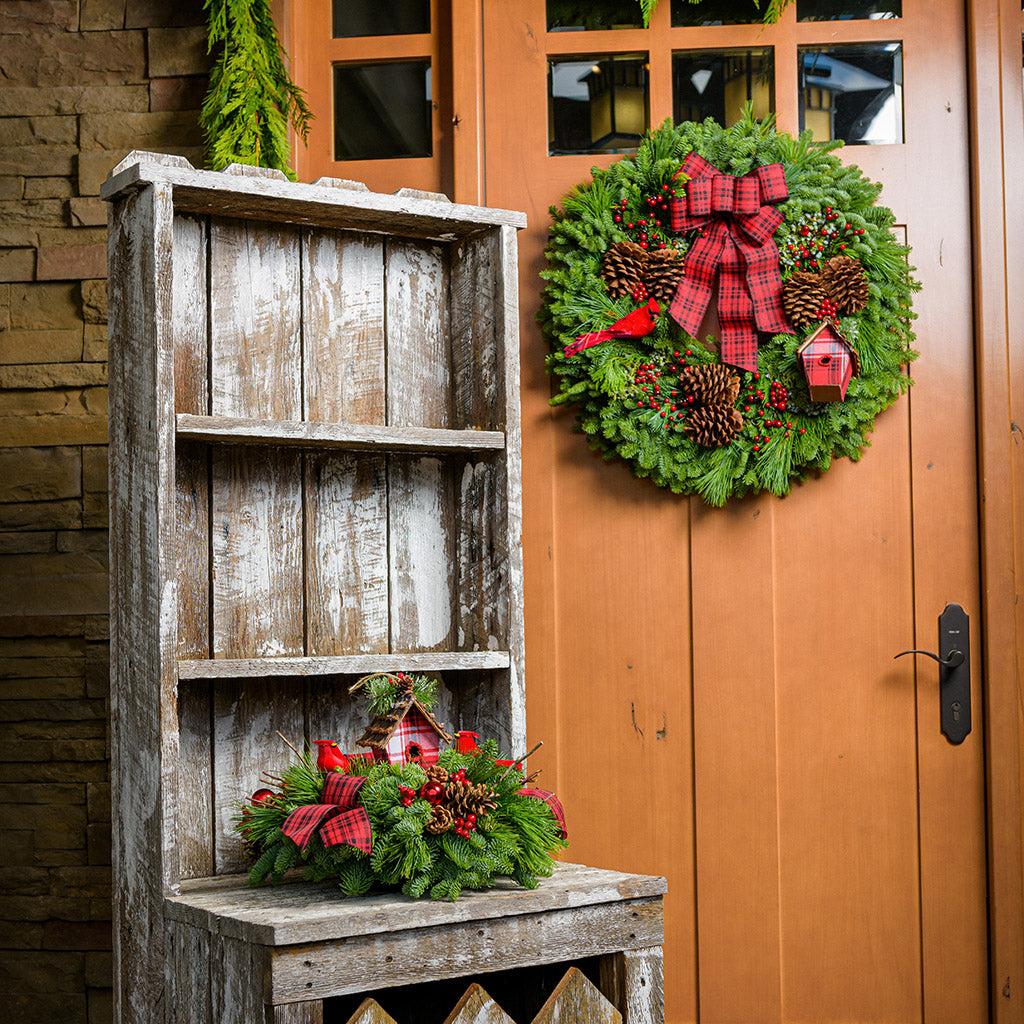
x=260 y=796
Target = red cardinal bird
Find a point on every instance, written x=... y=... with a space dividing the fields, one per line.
x=637 y=324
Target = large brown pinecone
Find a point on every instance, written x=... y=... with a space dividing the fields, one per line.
x=466 y=799
x=802 y=296
x=846 y=283
x=441 y=819
x=435 y=773
x=622 y=268
x=713 y=384
x=662 y=272
x=714 y=425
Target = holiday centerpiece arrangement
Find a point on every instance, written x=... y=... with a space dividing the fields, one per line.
x=409 y=815
x=812 y=292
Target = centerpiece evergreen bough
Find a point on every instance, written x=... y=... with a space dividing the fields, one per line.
x=628 y=258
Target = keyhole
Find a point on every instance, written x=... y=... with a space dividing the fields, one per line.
x=955 y=707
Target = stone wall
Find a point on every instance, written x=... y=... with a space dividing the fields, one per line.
x=82 y=82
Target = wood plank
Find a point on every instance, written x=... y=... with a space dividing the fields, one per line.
x=247 y=717
x=257 y=668
x=190 y=974
x=634 y=982
x=309 y=1012
x=370 y=1011
x=477 y=1007
x=577 y=998
x=343 y=327
x=218 y=194
x=236 y=981
x=143 y=609
x=346 y=555
x=257 y=554
x=192 y=532
x=195 y=779
x=421 y=553
x=458 y=949
x=353 y=436
x=190 y=308
x=302 y=912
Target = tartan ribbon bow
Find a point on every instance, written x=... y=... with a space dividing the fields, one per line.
x=340 y=819
x=552 y=801
x=735 y=244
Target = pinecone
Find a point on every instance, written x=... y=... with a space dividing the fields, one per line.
x=713 y=384
x=622 y=268
x=802 y=296
x=435 y=773
x=465 y=798
x=440 y=821
x=846 y=283
x=662 y=272
x=714 y=426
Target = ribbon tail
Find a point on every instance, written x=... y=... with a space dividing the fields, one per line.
x=351 y=828
x=764 y=283
x=693 y=293
x=738 y=343
x=300 y=825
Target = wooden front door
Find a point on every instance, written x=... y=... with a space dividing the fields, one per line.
x=717 y=687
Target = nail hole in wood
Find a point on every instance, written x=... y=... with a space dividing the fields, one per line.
x=388 y=959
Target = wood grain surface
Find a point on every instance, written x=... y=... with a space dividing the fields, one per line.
x=477 y=1007
x=577 y=998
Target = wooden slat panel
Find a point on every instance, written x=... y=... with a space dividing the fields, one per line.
x=436 y=661
x=190 y=310
x=634 y=982
x=370 y=1011
x=192 y=531
x=194 y=835
x=247 y=717
x=346 y=545
x=477 y=1007
x=190 y=949
x=343 y=327
x=309 y=1012
x=421 y=553
x=476 y=321
x=577 y=998
x=236 y=972
x=257 y=554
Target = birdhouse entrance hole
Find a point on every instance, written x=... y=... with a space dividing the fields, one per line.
x=413 y=752
x=825 y=360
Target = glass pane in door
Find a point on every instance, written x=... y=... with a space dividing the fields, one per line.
x=715 y=12
x=592 y=15
x=379 y=17
x=720 y=83
x=847 y=10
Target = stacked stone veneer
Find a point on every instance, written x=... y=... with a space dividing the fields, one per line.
x=82 y=82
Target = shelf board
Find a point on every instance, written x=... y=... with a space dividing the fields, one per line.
x=348 y=664
x=351 y=436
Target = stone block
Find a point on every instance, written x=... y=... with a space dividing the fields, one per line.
x=183 y=93
x=99 y=970
x=33 y=161
x=37 y=403
x=92 y=881
x=25 y=881
x=94 y=300
x=19 y=101
x=79 y=594
x=18 y=347
x=50 y=689
x=56 y=428
x=98 y=801
x=149 y=131
x=40 y=474
x=178 y=51
x=98 y=843
x=75 y=934
x=48 y=58
x=17 y=846
x=58 y=235
x=95 y=469
x=46 y=908
x=28 y=17
x=41 y=515
x=87 y=213
x=49 y=188
x=44 y=972
x=46 y=1007
x=36 y=213
x=51 y=818
x=99 y=15
x=96 y=628
x=41 y=771
x=160 y=14
x=71 y=263
x=83 y=541
x=12 y=187
x=48 y=305
x=94 y=345
x=39 y=130
x=81 y=735
x=17 y=264
x=30 y=542
x=100 y=1008
x=54 y=375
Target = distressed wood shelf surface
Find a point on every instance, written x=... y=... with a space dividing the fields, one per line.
x=345 y=436
x=306 y=912
x=345 y=664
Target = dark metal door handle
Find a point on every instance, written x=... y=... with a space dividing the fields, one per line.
x=954 y=660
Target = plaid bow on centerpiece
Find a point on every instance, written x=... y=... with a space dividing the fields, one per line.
x=735 y=244
x=340 y=818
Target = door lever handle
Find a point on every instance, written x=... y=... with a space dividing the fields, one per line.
x=956 y=657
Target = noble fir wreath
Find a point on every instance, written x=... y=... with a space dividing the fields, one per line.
x=812 y=290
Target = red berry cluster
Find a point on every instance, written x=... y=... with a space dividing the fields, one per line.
x=648 y=379
x=407 y=794
x=828 y=310
x=648 y=230
x=774 y=402
x=463 y=826
x=640 y=293
x=819 y=238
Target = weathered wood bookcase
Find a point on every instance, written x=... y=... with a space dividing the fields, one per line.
x=315 y=472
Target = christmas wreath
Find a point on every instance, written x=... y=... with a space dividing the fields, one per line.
x=813 y=298
x=409 y=817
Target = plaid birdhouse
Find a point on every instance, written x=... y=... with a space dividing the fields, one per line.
x=408 y=732
x=829 y=362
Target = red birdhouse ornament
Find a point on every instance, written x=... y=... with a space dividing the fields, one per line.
x=829 y=363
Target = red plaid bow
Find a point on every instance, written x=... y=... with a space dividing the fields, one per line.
x=736 y=243
x=552 y=801
x=340 y=818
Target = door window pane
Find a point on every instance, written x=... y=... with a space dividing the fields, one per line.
x=853 y=93
x=719 y=84
x=847 y=10
x=382 y=110
x=715 y=12
x=379 y=17
x=590 y=15
x=597 y=104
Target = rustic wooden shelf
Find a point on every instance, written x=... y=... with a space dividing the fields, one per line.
x=304 y=941
x=344 y=436
x=347 y=664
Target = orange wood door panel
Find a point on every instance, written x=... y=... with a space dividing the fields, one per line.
x=824 y=844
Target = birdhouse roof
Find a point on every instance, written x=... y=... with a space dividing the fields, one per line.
x=383 y=727
x=829 y=332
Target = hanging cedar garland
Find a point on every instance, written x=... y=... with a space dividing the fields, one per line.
x=671 y=406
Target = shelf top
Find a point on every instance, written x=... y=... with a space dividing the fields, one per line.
x=317 y=912
x=256 y=193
